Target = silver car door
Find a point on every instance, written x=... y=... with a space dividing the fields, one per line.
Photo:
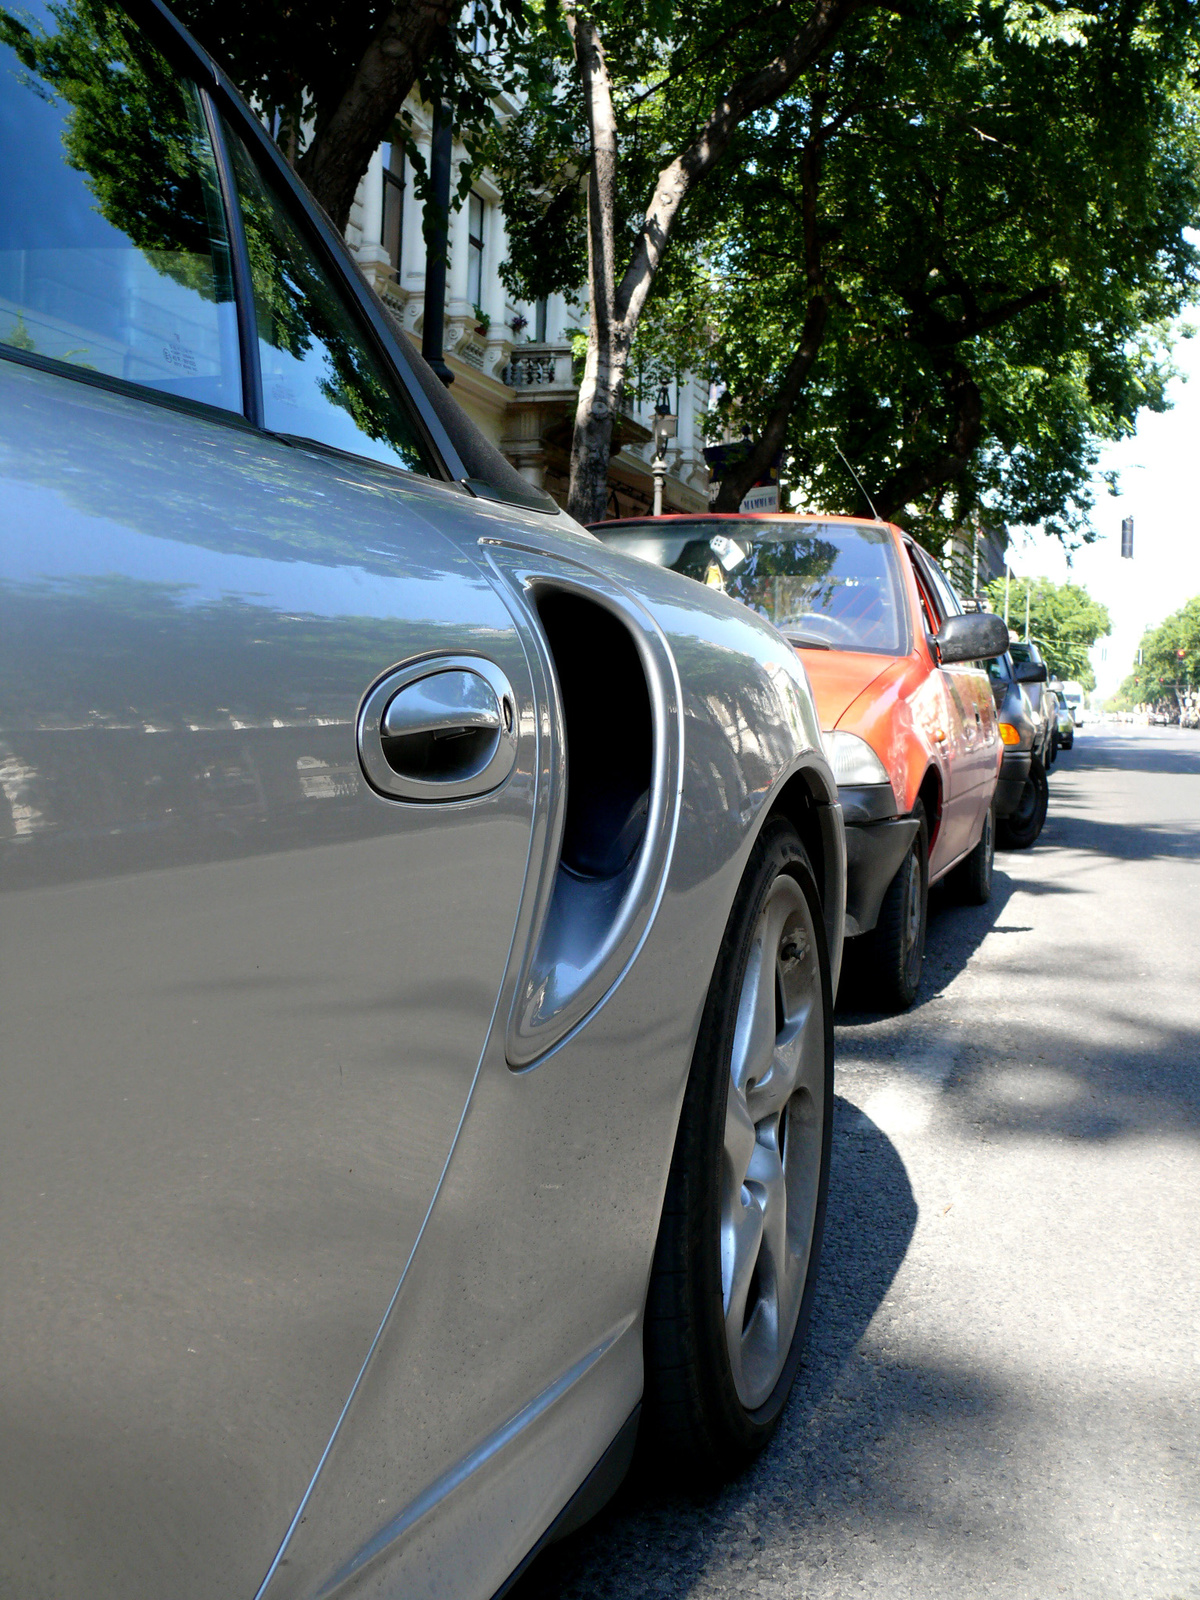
x=244 y=995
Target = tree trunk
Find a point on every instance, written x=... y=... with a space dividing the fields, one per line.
x=615 y=312
x=608 y=345
x=966 y=429
x=344 y=143
x=735 y=484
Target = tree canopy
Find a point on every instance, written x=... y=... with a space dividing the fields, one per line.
x=1064 y=622
x=332 y=79
x=952 y=256
x=1170 y=659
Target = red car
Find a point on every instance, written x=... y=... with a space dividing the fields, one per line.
x=908 y=713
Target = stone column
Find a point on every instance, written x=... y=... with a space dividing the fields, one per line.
x=371 y=254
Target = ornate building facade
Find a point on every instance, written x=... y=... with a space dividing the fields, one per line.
x=513 y=362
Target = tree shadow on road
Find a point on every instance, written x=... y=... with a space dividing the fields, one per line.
x=650 y=1541
x=1133 y=755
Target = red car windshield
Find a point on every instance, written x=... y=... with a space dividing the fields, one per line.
x=824 y=584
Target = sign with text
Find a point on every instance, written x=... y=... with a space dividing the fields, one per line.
x=765 y=498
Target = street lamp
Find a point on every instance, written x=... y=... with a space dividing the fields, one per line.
x=665 y=426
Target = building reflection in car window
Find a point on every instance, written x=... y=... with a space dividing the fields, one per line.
x=321 y=378
x=825 y=583
x=113 y=251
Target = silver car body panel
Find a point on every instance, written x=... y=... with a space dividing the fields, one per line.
x=324 y=1254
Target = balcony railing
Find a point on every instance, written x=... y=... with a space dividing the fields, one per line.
x=540 y=368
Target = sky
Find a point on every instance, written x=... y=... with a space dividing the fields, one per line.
x=1160 y=489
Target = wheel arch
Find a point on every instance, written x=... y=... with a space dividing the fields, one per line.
x=930 y=796
x=808 y=799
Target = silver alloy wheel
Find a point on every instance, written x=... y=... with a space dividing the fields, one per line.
x=773 y=1132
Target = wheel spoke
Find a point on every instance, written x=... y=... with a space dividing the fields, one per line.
x=754 y=1038
x=768 y=1179
x=739 y=1139
x=741 y=1238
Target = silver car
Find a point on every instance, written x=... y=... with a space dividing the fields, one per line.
x=419 y=922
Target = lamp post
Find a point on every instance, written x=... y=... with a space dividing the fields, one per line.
x=437 y=242
x=665 y=426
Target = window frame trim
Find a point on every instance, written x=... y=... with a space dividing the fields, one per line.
x=334 y=256
x=239 y=254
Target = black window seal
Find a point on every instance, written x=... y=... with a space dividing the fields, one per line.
x=239 y=256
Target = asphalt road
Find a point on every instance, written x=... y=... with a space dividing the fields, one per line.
x=1002 y=1391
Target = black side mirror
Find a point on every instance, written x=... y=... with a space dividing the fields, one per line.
x=974 y=637
x=1030 y=671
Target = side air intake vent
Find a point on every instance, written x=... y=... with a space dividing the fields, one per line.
x=610 y=759
x=609 y=733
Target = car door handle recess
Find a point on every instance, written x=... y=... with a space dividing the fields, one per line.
x=441 y=729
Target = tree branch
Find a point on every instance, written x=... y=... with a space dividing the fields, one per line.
x=966 y=429
x=735 y=484
x=751 y=93
x=342 y=148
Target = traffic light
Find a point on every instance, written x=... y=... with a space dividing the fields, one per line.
x=1127 y=538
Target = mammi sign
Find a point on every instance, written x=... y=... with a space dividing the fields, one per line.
x=763 y=498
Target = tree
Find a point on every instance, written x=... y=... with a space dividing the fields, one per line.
x=1169 y=659
x=332 y=79
x=1064 y=623
x=952 y=255
x=631 y=111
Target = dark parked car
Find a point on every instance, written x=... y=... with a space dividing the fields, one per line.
x=1025 y=653
x=1023 y=792
x=420 y=922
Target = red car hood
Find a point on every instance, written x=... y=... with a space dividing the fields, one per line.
x=838 y=677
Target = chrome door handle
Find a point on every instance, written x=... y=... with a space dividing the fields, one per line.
x=449 y=704
x=439 y=729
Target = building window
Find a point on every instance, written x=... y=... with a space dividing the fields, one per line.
x=479 y=17
x=393 y=203
x=475 y=249
x=539 y=321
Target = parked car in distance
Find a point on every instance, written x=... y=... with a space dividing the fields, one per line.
x=908 y=716
x=1066 y=723
x=1024 y=653
x=421 y=922
x=1023 y=792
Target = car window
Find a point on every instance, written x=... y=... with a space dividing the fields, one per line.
x=113 y=252
x=948 y=601
x=997 y=669
x=322 y=378
x=929 y=606
x=829 y=583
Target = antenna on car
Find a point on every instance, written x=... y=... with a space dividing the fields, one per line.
x=859 y=482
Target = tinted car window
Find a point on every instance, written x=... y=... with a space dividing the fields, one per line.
x=321 y=377
x=929 y=606
x=113 y=251
x=830 y=583
x=948 y=601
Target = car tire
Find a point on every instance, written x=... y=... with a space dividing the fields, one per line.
x=740 y=1239
x=973 y=878
x=1019 y=831
x=889 y=958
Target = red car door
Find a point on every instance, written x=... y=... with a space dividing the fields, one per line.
x=956 y=721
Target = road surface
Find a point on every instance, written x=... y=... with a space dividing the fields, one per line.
x=1002 y=1392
